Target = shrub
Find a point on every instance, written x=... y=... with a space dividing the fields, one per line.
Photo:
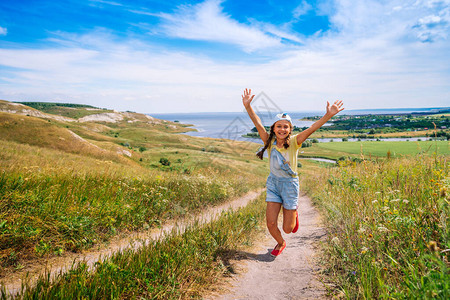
x=164 y=161
x=306 y=144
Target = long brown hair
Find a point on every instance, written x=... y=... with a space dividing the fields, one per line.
x=286 y=142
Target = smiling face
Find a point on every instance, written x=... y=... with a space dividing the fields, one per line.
x=282 y=129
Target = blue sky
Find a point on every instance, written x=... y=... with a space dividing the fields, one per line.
x=198 y=56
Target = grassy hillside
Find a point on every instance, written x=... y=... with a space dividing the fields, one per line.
x=49 y=134
x=67 y=185
x=181 y=266
x=70 y=110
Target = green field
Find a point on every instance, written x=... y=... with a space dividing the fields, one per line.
x=380 y=149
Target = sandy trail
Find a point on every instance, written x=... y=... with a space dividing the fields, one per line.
x=54 y=265
x=288 y=276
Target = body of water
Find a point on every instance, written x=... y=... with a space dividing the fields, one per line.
x=232 y=125
x=229 y=125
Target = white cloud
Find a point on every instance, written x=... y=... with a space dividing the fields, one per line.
x=395 y=22
x=142 y=12
x=113 y=3
x=207 y=22
x=3 y=31
x=374 y=60
x=430 y=28
x=302 y=9
x=433 y=23
x=281 y=31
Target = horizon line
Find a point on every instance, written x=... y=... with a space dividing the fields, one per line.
x=304 y=111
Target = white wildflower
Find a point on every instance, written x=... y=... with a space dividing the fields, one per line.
x=335 y=240
x=361 y=230
x=364 y=250
x=405 y=201
x=374 y=201
x=395 y=200
x=382 y=229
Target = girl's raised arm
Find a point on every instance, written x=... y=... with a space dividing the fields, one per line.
x=246 y=100
x=331 y=111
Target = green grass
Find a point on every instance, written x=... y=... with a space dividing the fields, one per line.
x=388 y=223
x=381 y=148
x=74 y=111
x=45 y=214
x=53 y=202
x=59 y=193
x=181 y=266
x=375 y=149
x=49 y=134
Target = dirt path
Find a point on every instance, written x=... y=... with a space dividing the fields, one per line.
x=289 y=276
x=54 y=265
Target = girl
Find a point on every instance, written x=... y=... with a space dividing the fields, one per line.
x=282 y=183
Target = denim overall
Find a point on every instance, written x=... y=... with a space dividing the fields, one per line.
x=282 y=189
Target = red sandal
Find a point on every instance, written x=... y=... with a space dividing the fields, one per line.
x=277 y=252
x=296 y=223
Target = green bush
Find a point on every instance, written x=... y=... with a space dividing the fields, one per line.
x=306 y=144
x=164 y=161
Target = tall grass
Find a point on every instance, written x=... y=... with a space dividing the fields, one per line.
x=389 y=227
x=179 y=266
x=52 y=202
x=49 y=134
x=61 y=193
x=52 y=213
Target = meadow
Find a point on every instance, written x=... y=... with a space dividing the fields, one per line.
x=388 y=223
x=180 y=266
x=69 y=186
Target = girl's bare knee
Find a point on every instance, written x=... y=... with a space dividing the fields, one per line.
x=271 y=224
x=287 y=229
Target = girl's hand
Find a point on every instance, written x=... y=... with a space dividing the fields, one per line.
x=247 y=97
x=335 y=108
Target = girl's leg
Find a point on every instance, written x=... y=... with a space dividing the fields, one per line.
x=289 y=220
x=272 y=211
